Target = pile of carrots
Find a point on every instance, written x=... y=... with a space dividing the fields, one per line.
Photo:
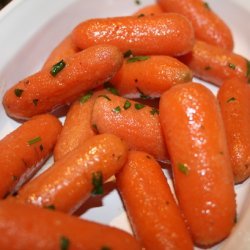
x=133 y=108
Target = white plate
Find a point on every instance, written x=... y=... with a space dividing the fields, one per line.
x=30 y=29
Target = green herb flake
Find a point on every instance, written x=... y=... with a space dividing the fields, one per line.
x=127 y=104
x=106 y=97
x=232 y=99
x=183 y=168
x=34 y=140
x=139 y=106
x=18 y=92
x=108 y=86
x=64 y=243
x=105 y=248
x=207 y=68
x=154 y=111
x=248 y=69
x=137 y=59
x=35 y=101
x=117 y=109
x=231 y=66
x=56 y=68
x=128 y=53
x=97 y=182
x=142 y=95
x=50 y=207
x=86 y=97
x=206 y=5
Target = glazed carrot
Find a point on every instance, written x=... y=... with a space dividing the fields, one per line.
x=134 y=122
x=77 y=127
x=150 y=205
x=46 y=90
x=24 y=226
x=64 y=49
x=24 y=150
x=208 y=26
x=152 y=9
x=214 y=64
x=196 y=141
x=166 y=34
x=151 y=76
x=234 y=100
x=70 y=181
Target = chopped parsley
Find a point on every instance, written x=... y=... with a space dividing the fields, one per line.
x=127 y=104
x=106 y=97
x=64 y=243
x=248 y=69
x=154 y=111
x=231 y=66
x=108 y=86
x=18 y=92
x=97 y=182
x=117 y=109
x=56 y=68
x=206 y=5
x=34 y=140
x=139 y=106
x=142 y=95
x=183 y=168
x=137 y=59
x=86 y=97
x=232 y=99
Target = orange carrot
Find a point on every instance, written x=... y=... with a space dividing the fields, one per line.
x=234 y=99
x=152 y=9
x=150 y=205
x=77 y=127
x=166 y=34
x=214 y=64
x=25 y=149
x=64 y=49
x=46 y=90
x=69 y=181
x=134 y=122
x=150 y=77
x=208 y=26
x=24 y=226
x=196 y=141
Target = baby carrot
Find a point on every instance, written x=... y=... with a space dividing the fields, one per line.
x=69 y=181
x=150 y=205
x=48 y=89
x=208 y=26
x=152 y=9
x=234 y=100
x=64 y=49
x=23 y=226
x=196 y=141
x=25 y=149
x=150 y=77
x=135 y=123
x=215 y=64
x=77 y=127
x=166 y=34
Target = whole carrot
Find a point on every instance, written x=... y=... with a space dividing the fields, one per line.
x=24 y=150
x=152 y=9
x=234 y=100
x=64 y=49
x=135 y=123
x=63 y=83
x=151 y=76
x=24 y=226
x=71 y=180
x=203 y=180
x=215 y=64
x=150 y=205
x=208 y=26
x=77 y=127
x=166 y=34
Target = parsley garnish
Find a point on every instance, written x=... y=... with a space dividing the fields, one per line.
x=137 y=59
x=183 y=168
x=64 y=243
x=139 y=106
x=231 y=65
x=127 y=105
x=154 y=111
x=248 y=68
x=206 y=5
x=232 y=99
x=142 y=95
x=34 y=140
x=56 y=68
x=86 y=97
x=18 y=92
x=97 y=182
x=106 y=97
x=108 y=86
x=117 y=109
